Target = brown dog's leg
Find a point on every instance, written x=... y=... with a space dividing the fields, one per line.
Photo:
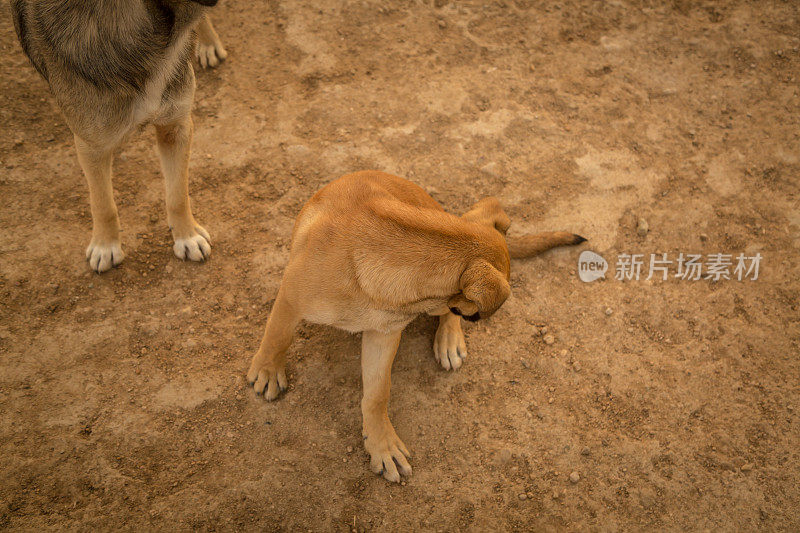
x=104 y=251
x=449 y=347
x=174 y=141
x=387 y=452
x=268 y=368
x=210 y=51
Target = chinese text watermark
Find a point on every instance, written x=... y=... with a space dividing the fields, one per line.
x=690 y=267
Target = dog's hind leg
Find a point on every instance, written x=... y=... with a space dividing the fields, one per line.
x=268 y=368
x=174 y=142
x=387 y=452
x=210 y=51
x=449 y=347
x=104 y=250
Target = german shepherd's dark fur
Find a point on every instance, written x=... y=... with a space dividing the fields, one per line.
x=113 y=65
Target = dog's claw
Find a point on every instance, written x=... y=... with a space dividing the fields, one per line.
x=196 y=247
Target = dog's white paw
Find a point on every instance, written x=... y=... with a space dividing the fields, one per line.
x=210 y=54
x=449 y=347
x=196 y=247
x=388 y=455
x=102 y=257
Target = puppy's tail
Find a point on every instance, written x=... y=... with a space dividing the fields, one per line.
x=530 y=245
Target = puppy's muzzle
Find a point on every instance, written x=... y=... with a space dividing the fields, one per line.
x=472 y=318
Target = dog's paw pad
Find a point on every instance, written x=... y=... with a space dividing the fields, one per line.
x=103 y=257
x=210 y=55
x=196 y=247
x=268 y=382
x=388 y=457
x=449 y=348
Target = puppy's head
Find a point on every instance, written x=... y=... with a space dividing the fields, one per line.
x=484 y=288
x=489 y=212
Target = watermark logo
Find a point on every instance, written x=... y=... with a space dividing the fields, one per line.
x=687 y=267
x=591 y=266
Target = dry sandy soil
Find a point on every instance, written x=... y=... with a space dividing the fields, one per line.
x=122 y=395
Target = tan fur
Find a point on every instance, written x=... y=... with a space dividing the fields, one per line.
x=370 y=251
x=112 y=67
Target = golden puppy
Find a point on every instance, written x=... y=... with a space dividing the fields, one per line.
x=370 y=251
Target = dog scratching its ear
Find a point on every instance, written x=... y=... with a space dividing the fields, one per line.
x=489 y=212
x=483 y=291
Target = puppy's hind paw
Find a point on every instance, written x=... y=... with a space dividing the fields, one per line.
x=210 y=54
x=267 y=381
x=449 y=347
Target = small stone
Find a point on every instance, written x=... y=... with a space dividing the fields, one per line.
x=349 y=449
x=503 y=456
x=556 y=494
x=549 y=339
x=608 y=311
x=490 y=168
x=442 y=24
x=522 y=496
x=576 y=366
x=574 y=477
x=586 y=451
x=564 y=353
x=642 y=227
x=747 y=467
x=543 y=330
x=703 y=237
x=154 y=218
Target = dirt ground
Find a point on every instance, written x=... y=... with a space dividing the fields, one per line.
x=122 y=395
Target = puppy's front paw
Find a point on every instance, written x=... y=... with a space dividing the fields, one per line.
x=210 y=54
x=267 y=377
x=194 y=247
x=103 y=256
x=388 y=455
x=449 y=347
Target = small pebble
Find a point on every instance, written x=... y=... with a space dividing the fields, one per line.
x=549 y=339
x=574 y=477
x=586 y=451
x=609 y=311
x=703 y=237
x=747 y=467
x=523 y=496
x=642 y=227
x=576 y=366
x=349 y=449
x=442 y=24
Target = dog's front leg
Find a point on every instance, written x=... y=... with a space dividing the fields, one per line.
x=104 y=250
x=449 y=347
x=174 y=141
x=387 y=452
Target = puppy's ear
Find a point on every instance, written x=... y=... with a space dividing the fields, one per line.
x=483 y=291
x=490 y=213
